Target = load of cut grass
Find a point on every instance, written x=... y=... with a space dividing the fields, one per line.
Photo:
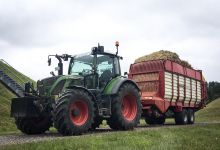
x=165 y=55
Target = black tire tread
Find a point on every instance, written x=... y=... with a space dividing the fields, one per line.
x=61 y=118
x=29 y=126
x=189 y=115
x=155 y=121
x=117 y=121
x=179 y=117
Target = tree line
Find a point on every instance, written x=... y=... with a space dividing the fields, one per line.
x=213 y=90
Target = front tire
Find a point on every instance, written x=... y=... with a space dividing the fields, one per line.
x=34 y=125
x=74 y=112
x=126 y=108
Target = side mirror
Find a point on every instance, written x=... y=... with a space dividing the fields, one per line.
x=125 y=73
x=52 y=73
x=49 y=61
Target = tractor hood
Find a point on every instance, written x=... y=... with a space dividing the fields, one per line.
x=55 y=85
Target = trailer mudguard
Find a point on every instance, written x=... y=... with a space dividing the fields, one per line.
x=114 y=85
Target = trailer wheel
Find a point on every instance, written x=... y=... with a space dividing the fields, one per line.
x=149 y=120
x=126 y=108
x=74 y=112
x=191 y=116
x=181 y=118
x=154 y=121
x=161 y=120
x=35 y=125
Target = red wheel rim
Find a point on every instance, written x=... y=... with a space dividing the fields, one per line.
x=79 y=112
x=129 y=107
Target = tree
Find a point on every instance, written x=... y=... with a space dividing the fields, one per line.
x=213 y=90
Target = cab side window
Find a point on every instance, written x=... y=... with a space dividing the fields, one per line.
x=105 y=69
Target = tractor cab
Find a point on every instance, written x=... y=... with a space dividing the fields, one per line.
x=97 y=67
x=92 y=70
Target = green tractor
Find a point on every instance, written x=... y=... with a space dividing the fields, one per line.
x=93 y=91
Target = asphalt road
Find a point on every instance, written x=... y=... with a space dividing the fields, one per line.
x=22 y=138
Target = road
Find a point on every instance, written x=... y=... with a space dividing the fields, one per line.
x=22 y=138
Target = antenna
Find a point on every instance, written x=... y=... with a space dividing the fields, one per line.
x=117 y=44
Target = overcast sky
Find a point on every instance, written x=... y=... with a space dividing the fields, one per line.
x=30 y=30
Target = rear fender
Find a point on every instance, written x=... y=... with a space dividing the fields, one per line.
x=114 y=85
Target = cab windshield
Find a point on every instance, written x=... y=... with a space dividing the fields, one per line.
x=104 y=65
x=81 y=65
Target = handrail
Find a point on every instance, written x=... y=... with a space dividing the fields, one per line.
x=11 y=85
x=2 y=60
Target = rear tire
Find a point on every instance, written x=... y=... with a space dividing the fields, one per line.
x=181 y=118
x=126 y=108
x=74 y=112
x=35 y=125
x=191 y=116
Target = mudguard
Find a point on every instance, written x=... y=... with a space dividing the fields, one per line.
x=82 y=88
x=61 y=84
x=114 y=85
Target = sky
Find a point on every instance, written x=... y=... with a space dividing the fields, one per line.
x=32 y=29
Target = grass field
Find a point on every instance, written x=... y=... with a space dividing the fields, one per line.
x=189 y=137
x=211 y=113
x=7 y=124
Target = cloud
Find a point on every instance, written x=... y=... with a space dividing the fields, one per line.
x=30 y=30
